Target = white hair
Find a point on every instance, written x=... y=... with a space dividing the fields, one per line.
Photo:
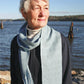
x=25 y=5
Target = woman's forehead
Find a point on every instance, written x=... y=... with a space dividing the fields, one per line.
x=39 y=0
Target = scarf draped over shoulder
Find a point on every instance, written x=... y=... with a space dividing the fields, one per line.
x=51 y=54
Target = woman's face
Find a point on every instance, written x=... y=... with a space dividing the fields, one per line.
x=37 y=16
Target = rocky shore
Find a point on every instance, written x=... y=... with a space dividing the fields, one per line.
x=77 y=77
x=5 y=77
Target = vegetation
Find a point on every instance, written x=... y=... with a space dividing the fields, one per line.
x=67 y=18
x=56 y=18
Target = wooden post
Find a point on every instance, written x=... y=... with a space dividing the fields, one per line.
x=70 y=34
x=1 y=25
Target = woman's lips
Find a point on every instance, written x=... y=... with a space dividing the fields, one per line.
x=41 y=19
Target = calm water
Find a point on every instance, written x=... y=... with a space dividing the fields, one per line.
x=11 y=28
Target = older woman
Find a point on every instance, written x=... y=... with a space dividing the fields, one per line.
x=39 y=54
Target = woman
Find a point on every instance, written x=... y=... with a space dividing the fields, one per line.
x=39 y=54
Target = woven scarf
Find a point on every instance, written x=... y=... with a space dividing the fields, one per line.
x=51 y=54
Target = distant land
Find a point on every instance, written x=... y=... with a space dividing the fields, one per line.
x=67 y=18
x=55 y=18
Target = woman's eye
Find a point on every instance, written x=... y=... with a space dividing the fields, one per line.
x=46 y=7
x=36 y=7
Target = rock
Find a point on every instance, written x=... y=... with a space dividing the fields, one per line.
x=81 y=78
x=4 y=81
x=77 y=76
x=73 y=72
x=81 y=82
x=74 y=82
x=5 y=77
x=82 y=73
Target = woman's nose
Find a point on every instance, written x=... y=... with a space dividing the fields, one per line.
x=42 y=13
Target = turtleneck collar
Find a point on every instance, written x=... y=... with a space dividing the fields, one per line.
x=31 y=33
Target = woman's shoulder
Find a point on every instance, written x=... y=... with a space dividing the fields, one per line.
x=65 y=40
x=14 y=41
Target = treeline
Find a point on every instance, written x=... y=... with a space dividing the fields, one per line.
x=55 y=18
x=67 y=18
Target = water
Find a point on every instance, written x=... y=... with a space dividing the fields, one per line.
x=11 y=28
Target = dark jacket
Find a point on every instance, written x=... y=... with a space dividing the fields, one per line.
x=16 y=77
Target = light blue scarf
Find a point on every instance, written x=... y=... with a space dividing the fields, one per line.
x=51 y=55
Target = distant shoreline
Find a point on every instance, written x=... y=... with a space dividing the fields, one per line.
x=67 y=18
x=55 y=18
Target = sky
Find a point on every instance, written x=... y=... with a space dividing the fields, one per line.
x=9 y=9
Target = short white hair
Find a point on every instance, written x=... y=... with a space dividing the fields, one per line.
x=25 y=5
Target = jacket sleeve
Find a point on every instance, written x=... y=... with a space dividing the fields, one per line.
x=66 y=61
x=12 y=63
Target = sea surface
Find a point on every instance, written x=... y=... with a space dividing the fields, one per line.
x=11 y=28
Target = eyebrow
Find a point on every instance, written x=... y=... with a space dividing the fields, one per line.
x=42 y=0
x=44 y=5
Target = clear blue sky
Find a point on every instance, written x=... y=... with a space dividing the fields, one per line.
x=9 y=9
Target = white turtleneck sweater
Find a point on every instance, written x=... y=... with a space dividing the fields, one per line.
x=31 y=33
